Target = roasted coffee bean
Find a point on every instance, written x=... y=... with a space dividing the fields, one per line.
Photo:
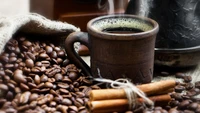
x=24 y=87
x=9 y=96
x=197 y=110
x=73 y=108
x=179 y=88
x=61 y=53
x=7 y=104
x=78 y=102
x=52 y=71
x=185 y=97
x=19 y=77
x=174 y=103
x=66 y=101
x=66 y=62
x=80 y=94
x=30 y=55
x=10 y=110
x=32 y=85
x=41 y=85
x=29 y=79
x=2 y=101
x=37 y=79
x=184 y=104
x=54 y=92
x=66 y=80
x=197 y=84
x=4 y=59
x=59 y=60
x=73 y=76
x=38 y=64
x=27 y=43
x=63 y=85
x=76 y=84
x=13 y=54
x=52 y=80
x=36 y=70
x=188 y=111
x=43 y=56
x=9 y=66
x=187 y=78
x=48 y=85
x=23 y=107
x=71 y=88
x=189 y=86
x=45 y=63
x=56 y=48
x=33 y=104
x=87 y=81
x=17 y=90
x=33 y=97
x=6 y=78
x=24 y=98
x=86 y=91
x=52 y=104
x=193 y=106
x=11 y=86
x=196 y=90
x=3 y=87
x=62 y=108
x=48 y=49
x=9 y=72
x=58 y=77
x=12 y=59
x=2 y=73
x=29 y=63
x=43 y=78
x=53 y=54
x=47 y=98
x=63 y=91
x=177 y=96
x=58 y=99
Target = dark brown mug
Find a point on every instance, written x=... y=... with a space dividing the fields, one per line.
x=121 y=46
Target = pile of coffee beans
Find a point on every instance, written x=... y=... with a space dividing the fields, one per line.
x=37 y=77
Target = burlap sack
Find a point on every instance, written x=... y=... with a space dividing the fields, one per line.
x=31 y=23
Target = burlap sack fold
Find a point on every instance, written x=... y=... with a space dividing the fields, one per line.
x=31 y=23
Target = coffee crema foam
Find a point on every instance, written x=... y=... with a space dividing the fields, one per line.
x=121 y=22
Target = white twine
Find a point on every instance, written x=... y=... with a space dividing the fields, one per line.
x=130 y=89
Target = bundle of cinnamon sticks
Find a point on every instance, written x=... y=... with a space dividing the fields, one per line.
x=115 y=100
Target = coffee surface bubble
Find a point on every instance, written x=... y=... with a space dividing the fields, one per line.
x=121 y=22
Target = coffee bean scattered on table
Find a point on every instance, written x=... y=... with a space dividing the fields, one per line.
x=36 y=76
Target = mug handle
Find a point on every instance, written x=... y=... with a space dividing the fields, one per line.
x=81 y=37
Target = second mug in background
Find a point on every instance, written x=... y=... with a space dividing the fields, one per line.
x=121 y=46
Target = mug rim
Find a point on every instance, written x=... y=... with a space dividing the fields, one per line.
x=129 y=36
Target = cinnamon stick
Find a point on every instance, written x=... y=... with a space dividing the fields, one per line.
x=164 y=92
x=148 y=89
x=155 y=87
x=120 y=105
x=107 y=106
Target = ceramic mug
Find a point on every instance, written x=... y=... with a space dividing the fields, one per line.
x=121 y=46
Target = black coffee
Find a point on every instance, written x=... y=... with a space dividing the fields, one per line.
x=122 y=30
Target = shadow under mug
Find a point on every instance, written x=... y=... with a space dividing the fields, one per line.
x=121 y=46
